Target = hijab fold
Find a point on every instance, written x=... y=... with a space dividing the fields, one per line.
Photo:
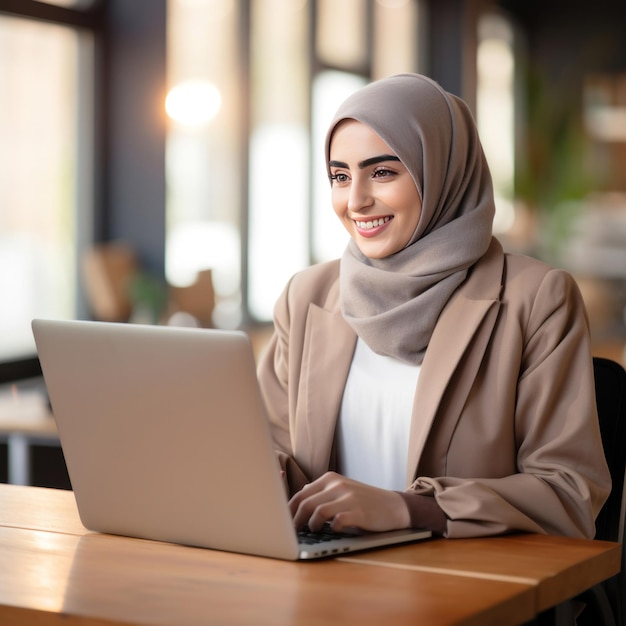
x=393 y=303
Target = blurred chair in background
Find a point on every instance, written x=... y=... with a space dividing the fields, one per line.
x=119 y=290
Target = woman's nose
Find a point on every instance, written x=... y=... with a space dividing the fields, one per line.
x=360 y=196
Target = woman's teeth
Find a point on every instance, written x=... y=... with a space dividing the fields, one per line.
x=372 y=223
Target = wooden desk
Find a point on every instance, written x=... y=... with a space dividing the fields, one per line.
x=560 y=568
x=54 y=578
x=20 y=435
x=56 y=572
x=39 y=508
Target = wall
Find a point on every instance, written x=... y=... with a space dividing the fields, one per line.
x=133 y=142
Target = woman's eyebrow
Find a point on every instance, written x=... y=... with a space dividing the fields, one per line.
x=378 y=159
x=367 y=162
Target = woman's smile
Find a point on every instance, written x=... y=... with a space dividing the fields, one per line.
x=372 y=227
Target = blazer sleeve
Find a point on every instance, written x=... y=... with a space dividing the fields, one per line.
x=561 y=478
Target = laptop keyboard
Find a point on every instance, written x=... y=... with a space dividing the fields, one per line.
x=311 y=537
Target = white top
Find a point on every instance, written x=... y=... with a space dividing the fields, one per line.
x=375 y=419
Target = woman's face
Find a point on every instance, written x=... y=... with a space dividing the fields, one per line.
x=373 y=194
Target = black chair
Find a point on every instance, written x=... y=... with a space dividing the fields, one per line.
x=606 y=603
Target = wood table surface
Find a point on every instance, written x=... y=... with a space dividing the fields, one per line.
x=54 y=579
x=559 y=567
x=42 y=426
x=70 y=573
x=40 y=508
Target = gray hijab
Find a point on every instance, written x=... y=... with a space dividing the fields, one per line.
x=393 y=303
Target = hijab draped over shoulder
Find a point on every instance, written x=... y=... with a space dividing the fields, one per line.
x=393 y=303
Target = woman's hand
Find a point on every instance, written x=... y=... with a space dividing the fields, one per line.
x=348 y=503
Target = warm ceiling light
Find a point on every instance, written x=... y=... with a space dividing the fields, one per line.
x=193 y=103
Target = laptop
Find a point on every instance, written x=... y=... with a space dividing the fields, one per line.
x=165 y=437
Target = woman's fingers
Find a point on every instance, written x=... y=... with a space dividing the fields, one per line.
x=347 y=503
x=304 y=503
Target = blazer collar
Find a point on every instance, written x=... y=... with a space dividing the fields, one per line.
x=468 y=318
x=329 y=347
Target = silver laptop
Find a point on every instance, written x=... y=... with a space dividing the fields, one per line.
x=165 y=437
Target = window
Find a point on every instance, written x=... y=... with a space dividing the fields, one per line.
x=45 y=174
x=279 y=150
x=204 y=157
x=495 y=111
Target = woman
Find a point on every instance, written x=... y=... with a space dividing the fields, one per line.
x=427 y=378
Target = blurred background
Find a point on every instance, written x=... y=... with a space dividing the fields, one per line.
x=161 y=160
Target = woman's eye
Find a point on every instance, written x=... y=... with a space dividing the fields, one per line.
x=339 y=177
x=382 y=172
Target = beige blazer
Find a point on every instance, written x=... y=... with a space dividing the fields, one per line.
x=504 y=427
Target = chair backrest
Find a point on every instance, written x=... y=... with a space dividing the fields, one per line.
x=610 y=380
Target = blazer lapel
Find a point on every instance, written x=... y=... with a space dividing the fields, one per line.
x=330 y=344
x=469 y=317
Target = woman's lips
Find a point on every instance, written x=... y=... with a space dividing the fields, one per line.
x=371 y=228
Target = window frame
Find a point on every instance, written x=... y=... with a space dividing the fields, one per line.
x=90 y=19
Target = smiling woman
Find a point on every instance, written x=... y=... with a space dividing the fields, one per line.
x=419 y=379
